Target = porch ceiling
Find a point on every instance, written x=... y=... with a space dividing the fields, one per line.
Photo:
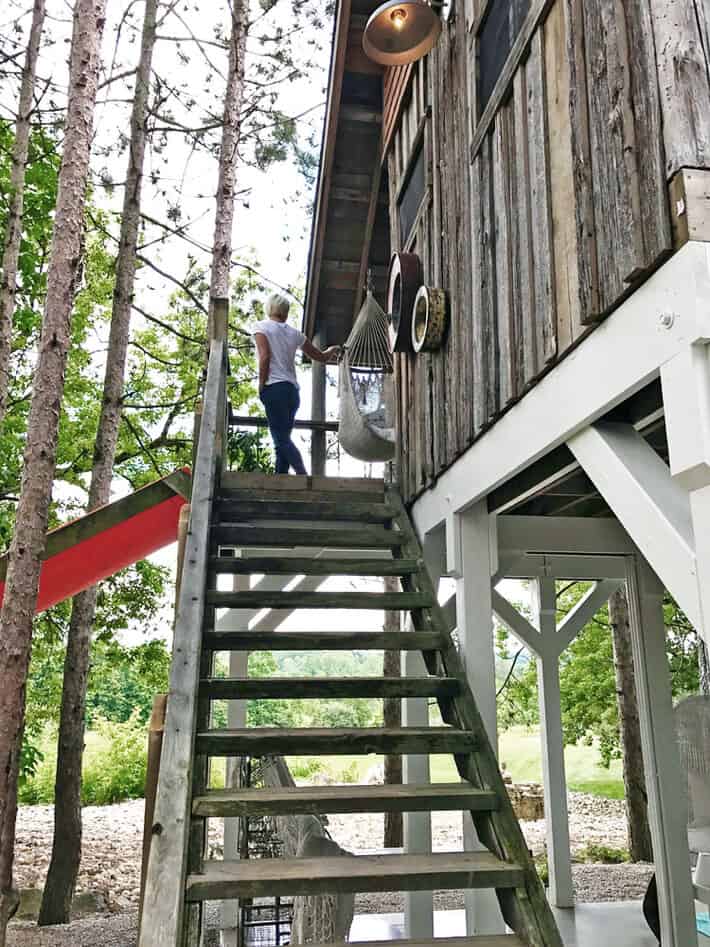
x=557 y=486
x=350 y=230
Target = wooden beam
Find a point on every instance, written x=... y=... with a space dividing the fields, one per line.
x=690 y=205
x=389 y=601
x=310 y=565
x=244 y=420
x=364 y=537
x=328 y=688
x=321 y=641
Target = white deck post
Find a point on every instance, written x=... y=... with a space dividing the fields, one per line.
x=686 y=401
x=561 y=889
x=419 y=905
x=470 y=560
x=666 y=804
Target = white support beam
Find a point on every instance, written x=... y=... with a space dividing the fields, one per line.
x=651 y=506
x=540 y=566
x=583 y=612
x=518 y=624
x=668 y=312
x=557 y=535
x=667 y=807
x=686 y=399
x=475 y=632
x=561 y=888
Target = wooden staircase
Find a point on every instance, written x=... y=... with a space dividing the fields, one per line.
x=359 y=528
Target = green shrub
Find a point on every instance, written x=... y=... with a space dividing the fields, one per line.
x=114 y=766
x=603 y=854
x=305 y=767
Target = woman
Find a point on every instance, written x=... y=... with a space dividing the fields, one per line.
x=276 y=347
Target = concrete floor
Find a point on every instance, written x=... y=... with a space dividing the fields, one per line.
x=615 y=924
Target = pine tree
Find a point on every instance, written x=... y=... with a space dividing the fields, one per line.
x=66 y=849
x=28 y=541
x=13 y=232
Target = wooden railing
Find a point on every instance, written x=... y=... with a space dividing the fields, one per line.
x=163 y=904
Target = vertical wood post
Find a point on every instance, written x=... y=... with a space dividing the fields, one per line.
x=667 y=808
x=318 y=393
x=561 y=889
x=183 y=526
x=155 y=746
x=470 y=560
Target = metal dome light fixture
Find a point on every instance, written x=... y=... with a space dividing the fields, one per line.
x=402 y=31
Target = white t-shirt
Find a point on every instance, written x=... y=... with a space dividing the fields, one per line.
x=284 y=342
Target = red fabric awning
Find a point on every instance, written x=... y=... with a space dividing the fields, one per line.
x=96 y=546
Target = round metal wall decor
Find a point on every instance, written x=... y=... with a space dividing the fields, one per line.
x=428 y=319
x=405 y=278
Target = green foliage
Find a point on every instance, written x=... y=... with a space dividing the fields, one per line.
x=114 y=765
x=587 y=678
x=305 y=767
x=602 y=854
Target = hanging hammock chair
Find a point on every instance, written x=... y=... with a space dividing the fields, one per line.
x=366 y=396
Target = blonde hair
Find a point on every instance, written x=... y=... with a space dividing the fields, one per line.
x=277 y=305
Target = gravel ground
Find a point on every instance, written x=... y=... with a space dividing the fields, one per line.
x=112 y=850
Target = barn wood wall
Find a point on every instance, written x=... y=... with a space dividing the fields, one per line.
x=540 y=217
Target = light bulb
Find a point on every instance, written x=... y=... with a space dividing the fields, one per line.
x=398 y=17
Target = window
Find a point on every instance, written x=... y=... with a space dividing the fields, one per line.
x=496 y=36
x=411 y=197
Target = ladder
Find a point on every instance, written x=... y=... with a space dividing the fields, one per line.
x=366 y=520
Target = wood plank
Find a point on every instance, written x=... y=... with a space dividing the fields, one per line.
x=234 y=510
x=479 y=940
x=587 y=271
x=318 y=800
x=390 y=601
x=320 y=641
x=690 y=206
x=540 y=206
x=298 y=496
x=372 y=537
x=335 y=741
x=523 y=293
x=502 y=158
x=315 y=688
x=237 y=480
x=649 y=126
x=301 y=876
x=163 y=901
x=488 y=277
x=614 y=150
x=562 y=195
x=480 y=360
x=310 y=565
x=681 y=41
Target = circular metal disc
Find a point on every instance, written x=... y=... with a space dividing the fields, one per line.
x=390 y=45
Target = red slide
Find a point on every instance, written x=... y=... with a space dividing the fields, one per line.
x=81 y=553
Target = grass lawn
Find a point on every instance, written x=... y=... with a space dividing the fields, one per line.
x=519 y=751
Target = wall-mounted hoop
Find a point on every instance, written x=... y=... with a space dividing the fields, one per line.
x=429 y=319
x=405 y=278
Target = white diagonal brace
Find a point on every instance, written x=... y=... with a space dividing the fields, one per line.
x=652 y=507
x=518 y=624
x=583 y=612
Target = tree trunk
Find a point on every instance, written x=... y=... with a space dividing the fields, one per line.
x=392 y=714
x=66 y=849
x=704 y=667
x=28 y=542
x=231 y=130
x=13 y=233
x=639 y=833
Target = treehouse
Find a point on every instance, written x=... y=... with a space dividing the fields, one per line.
x=545 y=172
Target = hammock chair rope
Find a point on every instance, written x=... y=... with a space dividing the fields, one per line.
x=366 y=365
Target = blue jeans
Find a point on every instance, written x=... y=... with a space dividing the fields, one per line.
x=281 y=401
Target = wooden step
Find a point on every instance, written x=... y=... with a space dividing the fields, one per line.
x=326 y=688
x=236 y=510
x=381 y=601
x=321 y=641
x=478 y=940
x=310 y=565
x=279 y=537
x=334 y=741
x=329 y=800
x=271 y=877
x=235 y=480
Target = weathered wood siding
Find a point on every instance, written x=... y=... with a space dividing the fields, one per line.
x=541 y=214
